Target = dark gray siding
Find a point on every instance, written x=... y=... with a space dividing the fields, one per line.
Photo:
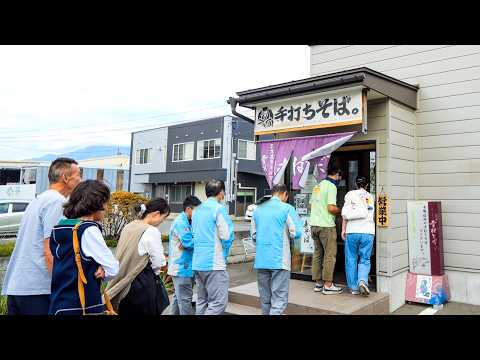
x=187 y=176
x=256 y=181
x=192 y=132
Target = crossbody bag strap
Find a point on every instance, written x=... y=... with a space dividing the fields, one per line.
x=78 y=260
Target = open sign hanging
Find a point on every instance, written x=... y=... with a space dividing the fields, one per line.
x=382 y=210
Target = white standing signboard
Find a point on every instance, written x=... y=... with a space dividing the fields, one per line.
x=306 y=242
x=418 y=240
x=339 y=108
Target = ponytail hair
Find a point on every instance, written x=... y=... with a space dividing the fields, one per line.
x=157 y=204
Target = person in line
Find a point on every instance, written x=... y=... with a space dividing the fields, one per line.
x=81 y=232
x=140 y=253
x=28 y=276
x=180 y=252
x=273 y=224
x=324 y=209
x=212 y=239
x=358 y=231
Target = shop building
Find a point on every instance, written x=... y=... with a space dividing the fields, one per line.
x=177 y=160
x=414 y=112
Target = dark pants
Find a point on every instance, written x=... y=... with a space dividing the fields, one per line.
x=28 y=304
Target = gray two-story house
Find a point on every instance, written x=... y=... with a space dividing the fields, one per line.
x=177 y=160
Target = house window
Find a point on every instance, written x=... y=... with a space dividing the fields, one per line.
x=143 y=156
x=177 y=193
x=247 y=150
x=209 y=149
x=182 y=152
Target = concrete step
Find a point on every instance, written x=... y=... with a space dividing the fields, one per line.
x=303 y=301
x=237 y=309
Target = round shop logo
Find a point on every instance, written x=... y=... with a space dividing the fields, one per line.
x=265 y=118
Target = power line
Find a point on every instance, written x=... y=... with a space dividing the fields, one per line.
x=122 y=121
x=106 y=131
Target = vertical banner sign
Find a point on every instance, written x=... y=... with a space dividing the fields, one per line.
x=382 y=210
x=425 y=238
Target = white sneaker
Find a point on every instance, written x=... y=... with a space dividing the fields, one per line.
x=318 y=287
x=364 y=290
x=332 y=290
x=354 y=292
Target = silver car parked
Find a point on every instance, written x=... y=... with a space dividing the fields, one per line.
x=11 y=212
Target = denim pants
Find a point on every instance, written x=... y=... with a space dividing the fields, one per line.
x=182 y=298
x=357 y=245
x=273 y=289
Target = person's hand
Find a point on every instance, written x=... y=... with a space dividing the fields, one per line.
x=100 y=273
x=344 y=235
x=180 y=246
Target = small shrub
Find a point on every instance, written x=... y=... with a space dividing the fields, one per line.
x=120 y=211
x=6 y=248
x=3 y=305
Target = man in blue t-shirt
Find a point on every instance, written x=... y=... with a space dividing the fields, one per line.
x=29 y=272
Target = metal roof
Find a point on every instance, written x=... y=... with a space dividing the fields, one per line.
x=396 y=89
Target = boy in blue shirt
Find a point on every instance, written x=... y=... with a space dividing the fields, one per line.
x=180 y=252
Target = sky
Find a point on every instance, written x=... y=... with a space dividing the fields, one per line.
x=54 y=99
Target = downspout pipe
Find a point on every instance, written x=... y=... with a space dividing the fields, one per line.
x=233 y=105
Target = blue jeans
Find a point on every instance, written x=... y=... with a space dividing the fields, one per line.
x=356 y=245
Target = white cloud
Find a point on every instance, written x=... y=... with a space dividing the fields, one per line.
x=99 y=94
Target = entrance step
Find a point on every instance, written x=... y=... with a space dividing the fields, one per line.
x=237 y=309
x=304 y=301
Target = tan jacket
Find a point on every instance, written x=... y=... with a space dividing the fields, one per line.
x=131 y=264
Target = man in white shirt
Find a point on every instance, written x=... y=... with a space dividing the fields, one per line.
x=358 y=232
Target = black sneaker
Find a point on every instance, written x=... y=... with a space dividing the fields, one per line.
x=318 y=287
x=363 y=288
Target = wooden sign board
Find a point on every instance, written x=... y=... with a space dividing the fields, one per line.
x=383 y=210
x=340 y=108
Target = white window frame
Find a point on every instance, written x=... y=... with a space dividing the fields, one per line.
x=138 y=156
x=247 y=158
x=184 y=152
x=203 y=144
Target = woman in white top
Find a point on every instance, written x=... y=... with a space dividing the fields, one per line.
x=358 y=231
x=135 y=291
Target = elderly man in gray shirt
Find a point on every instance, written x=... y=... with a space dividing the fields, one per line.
x=28 y=277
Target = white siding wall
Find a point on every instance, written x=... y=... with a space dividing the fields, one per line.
x=446 y=133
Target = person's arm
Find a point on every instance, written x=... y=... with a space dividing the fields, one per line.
x=224 y=225
x=151 y=242
x=50 y=217
x=294 y=224
x=186 y=236
x=94 y=246
x=253 y=228
x=48 y=254
x=344 y=229
x=332 y=202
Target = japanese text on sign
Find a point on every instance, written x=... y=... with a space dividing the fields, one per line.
x=382 y=211
x=321 y=111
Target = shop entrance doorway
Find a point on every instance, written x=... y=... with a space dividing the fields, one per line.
x=354 y=159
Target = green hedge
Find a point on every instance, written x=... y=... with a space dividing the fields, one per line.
x=3 y=305
x=6 y=248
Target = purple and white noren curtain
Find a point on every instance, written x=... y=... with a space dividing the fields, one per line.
x=308 y=151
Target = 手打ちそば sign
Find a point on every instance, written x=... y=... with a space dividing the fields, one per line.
x=310 y=112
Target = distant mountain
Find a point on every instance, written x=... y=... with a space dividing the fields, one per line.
x=88 y=152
